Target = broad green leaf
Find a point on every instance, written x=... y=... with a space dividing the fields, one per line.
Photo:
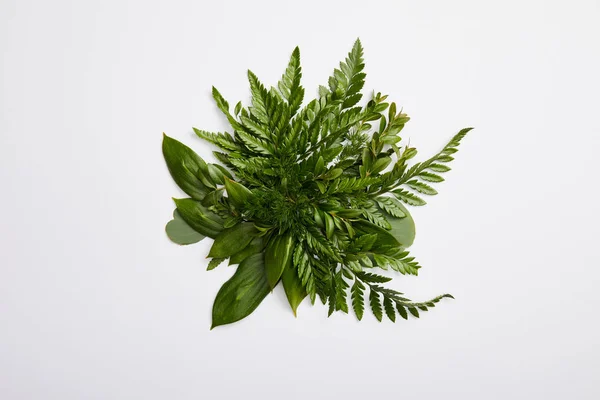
x=329 y=225
x=238 y=194
x=215 y=173
x=333 y=173
x=278 y=255
x=292 y=284
x=321 y=185
x=212 y=198
x=214 y=263
x=200 y=218
x=184 y=165
x=180 y=232
x=403 y=229
x=385 y=238
x=380 y=165
x=241 y=294
x=255 y=246
x=349 y=213
x=233 y=240
x=320 y=166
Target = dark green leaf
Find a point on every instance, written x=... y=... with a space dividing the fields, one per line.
x=255 y=246
x=372 y=278
x=237 y=193
x=375 y=303
x=385 y=237
x=184 y=165
x=232 y=240
x=241 y=294
x=278 y=255
x=380 y=165
x=329 y=225
x=214 y=263
x=401 y=311
x=200 y=218
x=294 y=289
x=413 y=311
x=358 y=303
x=389 y=308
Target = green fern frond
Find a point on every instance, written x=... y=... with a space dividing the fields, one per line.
x=289 y=85
x=313 y=196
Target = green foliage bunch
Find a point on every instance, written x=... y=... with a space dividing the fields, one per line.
x=313 y=197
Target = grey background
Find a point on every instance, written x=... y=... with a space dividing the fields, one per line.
x=96 y=303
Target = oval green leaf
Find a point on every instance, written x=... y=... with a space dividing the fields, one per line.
x=384 y=237
x=233 y=240
x=403 y=229
x=200 y=218
x=255 y=246
x=241 y=294
x=278 y=254
x=329 y=225
x=237 y=193
x=183 y=164
x=294 y=290
x=180 y=232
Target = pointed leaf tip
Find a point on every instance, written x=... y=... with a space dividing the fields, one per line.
x=241 y=295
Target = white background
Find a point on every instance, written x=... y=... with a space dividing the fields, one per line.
x=97 y=303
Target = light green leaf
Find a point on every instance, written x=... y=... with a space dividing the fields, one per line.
x=180 y=232
x=319 y=166
x=403 y=229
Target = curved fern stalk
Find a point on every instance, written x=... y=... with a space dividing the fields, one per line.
x=420 y=176
x=381 y=299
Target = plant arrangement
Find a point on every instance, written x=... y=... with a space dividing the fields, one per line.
x=310 y=196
